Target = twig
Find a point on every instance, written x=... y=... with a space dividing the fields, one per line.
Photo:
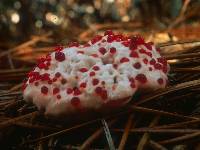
x=164 y=131
x=160 y=112
x=125 y=133
x=14 y=120
x=33 y=40
x=10 y=62
x=145 y=137
x=181 y=15
x=62 y=131
x=178 y=42
x=156 y=145
x=176 y=125
x=186 y=70
x=34 y=126
x=180 y=138
x=108 y=135
x=94 y=136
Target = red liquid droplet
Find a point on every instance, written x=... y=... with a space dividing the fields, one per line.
x=141 y=78
x=95 y=81
x=124 y=59
x=59 y=56
x=44 y=90
x=75 y=101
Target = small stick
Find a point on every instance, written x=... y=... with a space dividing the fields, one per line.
x=175 y=125
x=108 y=135
x=94 y=136
x=152 y=130
x=178 y=42
x=160 y=112
x=182 y=56
x=12 y=121
x=156 y=145
x=34 y=126
x=180 y=138
x=126 y=133
x=145 y=137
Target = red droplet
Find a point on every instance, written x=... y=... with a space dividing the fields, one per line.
x=113 y=50
x=58 y=74
x=148 y=45
x=110 y=38
x=69 y=90
x=86 y=45
x=137 y=65
x=58 y=48
x=142 y=51
x=94 y=55
x=102 y=50
x=132 y=85
x=96 y=68
x=48 y=63
x=115 y=66
x=132 y=82
x=49 y=82
x=126 y=43
x=104 y=94
x=75 y=101
x=73 y=44
x=41 y=65
x=145 y=61
x=134 y=54
x=80 y=52
x=54 y=79
x=36 y=83
x=48 y=57
x=83 y=85
x=45 y=77
x=55 y=91
x=83 y=70
x=138 y=40
x=77 y=91
x=95 y=81
x=133 y=45
x=152 y=61
x=141 y=78
x=165 y=69
x=124 y=59
x=63 y=81
x=31 y=80
x=108 y=32
x=59 y=56
x=92 y=73
x=162 y=60
x=158 y=50
x=103 y=82
x=96 y=39
x=98 y=90
x=44 y=90
x=158 y=66
x=160 y=81
x=150 y=69
x=58 y=97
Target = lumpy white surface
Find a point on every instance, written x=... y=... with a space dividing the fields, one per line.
x=117 y=80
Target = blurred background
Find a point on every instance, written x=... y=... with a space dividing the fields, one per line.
x=19 y=19
x=38 y=25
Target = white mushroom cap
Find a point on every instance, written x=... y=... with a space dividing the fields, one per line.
x=108 y=69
